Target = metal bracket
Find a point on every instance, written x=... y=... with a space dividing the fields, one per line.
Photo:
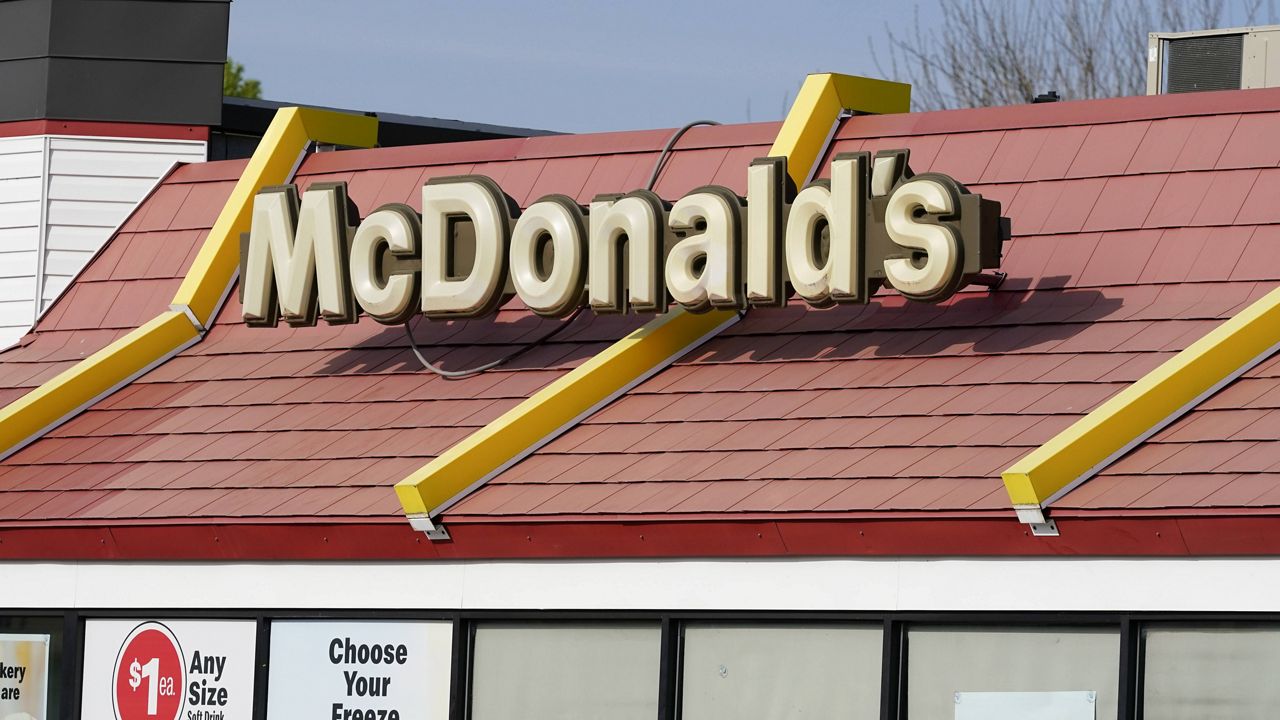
x=991 y=280
x=1030 y=514
x=195 y=321
x=1034 y=517
x=1048 y=528
x=424 y=524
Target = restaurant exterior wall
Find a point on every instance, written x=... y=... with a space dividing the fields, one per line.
x=858 y=638
x=234 y=623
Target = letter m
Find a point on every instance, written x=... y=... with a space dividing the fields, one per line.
x=294 y=259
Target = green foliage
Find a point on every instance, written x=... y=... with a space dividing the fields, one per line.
x=234 y=83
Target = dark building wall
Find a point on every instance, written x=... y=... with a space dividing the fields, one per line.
x=154 y=61
x=24 y=28
x=22 y=85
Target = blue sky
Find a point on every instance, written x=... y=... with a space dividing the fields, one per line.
x=573 y=66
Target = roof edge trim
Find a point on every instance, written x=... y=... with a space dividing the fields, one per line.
x=1102 y=111
x=201 y=294
x=468 y=465
x=213 y=540
x=1144 y=408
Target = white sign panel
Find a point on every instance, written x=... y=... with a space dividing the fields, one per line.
x=360 y=670
x=1074 y=705
x=24 y=676
x=168 y=669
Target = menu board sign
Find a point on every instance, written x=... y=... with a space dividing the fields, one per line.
x=359 y=670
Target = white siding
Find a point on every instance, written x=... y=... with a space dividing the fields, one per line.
x=21 y=174
x=60 y=199
x=93 y=185
x=67 y=237
x=54 y=284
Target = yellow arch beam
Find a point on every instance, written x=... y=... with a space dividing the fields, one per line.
x=202 y=291
x=273 y=163
x=1144 y=408
x=536 y=421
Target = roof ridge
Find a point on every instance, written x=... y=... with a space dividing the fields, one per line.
x=1100 y=111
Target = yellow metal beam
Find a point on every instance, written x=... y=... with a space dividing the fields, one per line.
x=870 y=95
x=557 y=406
x=201 y=292
x=821 y=100
x=80 y=385
x=1142 y=409
x=526 y=427
x=273 y=163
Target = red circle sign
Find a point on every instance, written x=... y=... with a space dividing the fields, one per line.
x=149 y=675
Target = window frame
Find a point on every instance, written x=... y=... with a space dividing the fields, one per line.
x=893 y=664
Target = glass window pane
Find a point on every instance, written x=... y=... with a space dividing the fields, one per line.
x=942 y=661
x=565 y=672
x=1211 y=673
x=15 y=631
x=783 y=671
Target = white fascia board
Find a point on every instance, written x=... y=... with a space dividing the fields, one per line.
x=849 y=584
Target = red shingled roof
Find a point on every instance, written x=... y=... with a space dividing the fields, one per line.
x=254 y=423
x=129 y=282
x=1138 y=223
x=1222 y=455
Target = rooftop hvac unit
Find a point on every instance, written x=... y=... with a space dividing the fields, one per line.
x=1228 y=59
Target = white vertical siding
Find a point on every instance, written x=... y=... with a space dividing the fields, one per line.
x=93 y=184
x=22 y=166
x=61 y=198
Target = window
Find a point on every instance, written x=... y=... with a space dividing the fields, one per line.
x=944 y=661
x=1211 y=673
x=21 y=645
x=565 y=672
x=771 y=672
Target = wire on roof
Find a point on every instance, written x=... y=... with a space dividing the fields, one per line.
x=459 y=374
x=666 y=149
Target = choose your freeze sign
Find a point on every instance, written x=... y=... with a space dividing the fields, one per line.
x=24 y=676
x=168 y=670
x=361 y=670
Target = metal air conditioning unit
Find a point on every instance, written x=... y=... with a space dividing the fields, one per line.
x=1226 y=59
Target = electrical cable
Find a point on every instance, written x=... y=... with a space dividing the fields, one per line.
x=666 y=149
x=459 y=374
